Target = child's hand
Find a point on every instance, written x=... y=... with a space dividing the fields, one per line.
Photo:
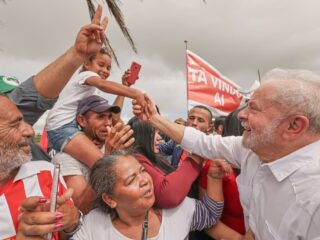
x=126 y=75
x=219 y=168
x=141 y=99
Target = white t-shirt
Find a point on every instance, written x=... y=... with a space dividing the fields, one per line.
x=175 y=224
x=64 y=111
x=71 y=166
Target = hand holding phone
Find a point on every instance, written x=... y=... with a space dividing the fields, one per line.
x=134 y=72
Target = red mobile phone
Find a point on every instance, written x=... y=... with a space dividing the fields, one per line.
x=134 y=69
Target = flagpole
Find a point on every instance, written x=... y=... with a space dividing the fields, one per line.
x=186 y=43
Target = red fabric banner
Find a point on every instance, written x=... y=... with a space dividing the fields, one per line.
x=206 y=86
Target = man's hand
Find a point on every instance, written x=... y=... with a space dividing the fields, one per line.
x=91 y=37
x=35 y=220
x=119 y=137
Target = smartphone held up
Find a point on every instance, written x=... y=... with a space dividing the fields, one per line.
x=134 y=70
x=54 y=193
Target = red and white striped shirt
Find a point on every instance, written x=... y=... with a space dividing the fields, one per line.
x=33 y=179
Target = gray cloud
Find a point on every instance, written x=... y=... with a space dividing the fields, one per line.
x=237 y=37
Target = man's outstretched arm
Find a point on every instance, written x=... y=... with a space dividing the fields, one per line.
x=149 y=114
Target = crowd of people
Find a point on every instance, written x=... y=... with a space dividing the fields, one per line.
x=253 y=174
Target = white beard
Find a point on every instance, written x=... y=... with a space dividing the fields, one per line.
x=10 y=159
x=261 y=139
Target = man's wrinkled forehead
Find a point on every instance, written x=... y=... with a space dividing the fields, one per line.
x=7 y=108
x=107 y=112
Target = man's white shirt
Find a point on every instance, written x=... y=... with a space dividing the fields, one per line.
x=281 y=199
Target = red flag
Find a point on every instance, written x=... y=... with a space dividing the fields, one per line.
x=207 y=86
x=44 y=140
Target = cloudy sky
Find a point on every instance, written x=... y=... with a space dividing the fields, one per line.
x=237 y=37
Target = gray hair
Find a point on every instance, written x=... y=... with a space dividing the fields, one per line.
x=103 y=177
x=297 y=92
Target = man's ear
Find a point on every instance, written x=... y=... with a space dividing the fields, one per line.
x=109 y=200
x=296 y=125
x=81 y=120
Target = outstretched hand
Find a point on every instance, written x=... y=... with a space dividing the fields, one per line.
x=146 y=112
x=219 y=168
x=91 y=37
x=119 y=137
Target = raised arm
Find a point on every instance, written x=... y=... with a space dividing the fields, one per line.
x=149 y=113
x=209 y=209
x=218 y=169
x=119 y=101
x=116 y=88
x=51 y=80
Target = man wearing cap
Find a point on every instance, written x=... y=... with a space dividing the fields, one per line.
x=8 y=83
x=94 y=117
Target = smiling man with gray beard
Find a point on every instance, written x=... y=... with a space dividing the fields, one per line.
x=21 y=178
x=25 y=186
x=13 y=156
x=278 y=154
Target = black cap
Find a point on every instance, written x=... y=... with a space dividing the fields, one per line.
x=96 y=104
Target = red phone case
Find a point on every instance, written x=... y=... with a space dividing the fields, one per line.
x=135 y=69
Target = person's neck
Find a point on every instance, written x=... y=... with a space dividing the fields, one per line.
x=131 y=220
x=285 y=148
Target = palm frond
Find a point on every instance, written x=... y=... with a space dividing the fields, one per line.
x=106 y=42
x=116 y=12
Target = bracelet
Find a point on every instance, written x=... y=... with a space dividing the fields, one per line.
x=78 y=227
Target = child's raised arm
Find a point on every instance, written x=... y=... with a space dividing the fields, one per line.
x=117 y=89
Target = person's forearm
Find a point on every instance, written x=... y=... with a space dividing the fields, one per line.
x=117 y=102
x=215 y=189
x=222 y=231
x=113 y=87
x=51 y=80
x=172 y=130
